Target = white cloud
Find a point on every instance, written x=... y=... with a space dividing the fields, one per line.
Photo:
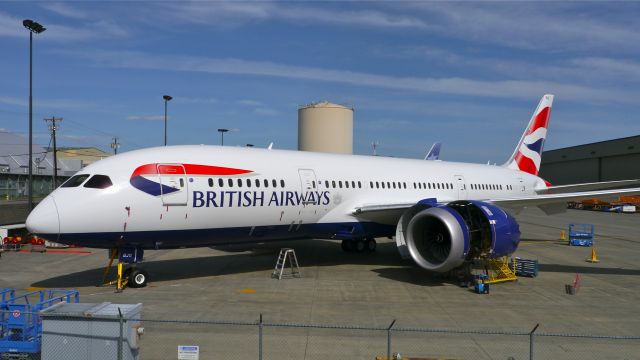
x=65 y=10
x=11 y=26
x=249 y=102
x=534 y=25
x=224 y=13
x=47 y=103
x=523 y=89
x=265 y=111
x=147 y=117
x=196 y=100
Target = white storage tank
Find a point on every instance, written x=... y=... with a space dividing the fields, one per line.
x=325 y=127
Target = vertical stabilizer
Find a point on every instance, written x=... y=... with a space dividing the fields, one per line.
x=528 y=154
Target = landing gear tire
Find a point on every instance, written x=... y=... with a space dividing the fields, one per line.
x=359 y=246
x=347 y=245
x=370 y=245
x=138 y=278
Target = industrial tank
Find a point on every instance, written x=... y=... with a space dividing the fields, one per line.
x=325 y=127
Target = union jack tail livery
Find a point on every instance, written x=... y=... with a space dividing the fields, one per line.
x=528 y=154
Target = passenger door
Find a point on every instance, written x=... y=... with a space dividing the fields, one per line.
x=462 y=187
x=173 y=183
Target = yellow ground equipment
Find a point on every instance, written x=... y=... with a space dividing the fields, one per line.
x=498 y=270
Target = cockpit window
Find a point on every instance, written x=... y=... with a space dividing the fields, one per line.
x=75 y=180
x=98 y=182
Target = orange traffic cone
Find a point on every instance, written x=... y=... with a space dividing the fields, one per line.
x=593 y=258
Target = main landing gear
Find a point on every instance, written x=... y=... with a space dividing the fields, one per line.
x=132 y=276
x=359 y=245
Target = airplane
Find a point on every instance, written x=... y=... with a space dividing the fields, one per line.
x=442 y=214
x=434 y=152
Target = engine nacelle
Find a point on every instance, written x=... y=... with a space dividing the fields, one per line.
x=443 y=237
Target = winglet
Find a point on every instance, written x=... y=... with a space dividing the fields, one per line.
x=528 y=154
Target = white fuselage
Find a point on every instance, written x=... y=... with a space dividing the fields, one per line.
x=314 y=196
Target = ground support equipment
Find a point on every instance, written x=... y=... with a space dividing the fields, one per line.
x=498 y=270
x=525 y=267
x=20 y=322
x=581 y=234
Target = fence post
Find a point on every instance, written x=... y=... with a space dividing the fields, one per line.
x=121 y=334
x=531 y=336
x=260 y=338
x=389 y=339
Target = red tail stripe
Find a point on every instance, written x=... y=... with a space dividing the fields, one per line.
x=541 y=120
x=525 y=164
x=190 y=169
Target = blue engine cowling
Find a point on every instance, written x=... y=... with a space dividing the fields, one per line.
x=443 y=237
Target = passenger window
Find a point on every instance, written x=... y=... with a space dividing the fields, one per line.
x=274 y=183
x=181 y=182
x=353 y=184
x=76 y=180
x=359 y=185
x=230 y=182
x=313 y=184
x=394 y=184
x=340 y=184
x=210 y=182
x=257 y=183
x=220 y=182
x=326 y=184
x=239 y=182
x=377 y=185
x=266 y=183
x=248 y=182
x=282 y=183
x=346 y=184
x=99 y=182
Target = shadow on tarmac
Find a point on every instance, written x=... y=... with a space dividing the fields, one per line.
x=586 y=269
x=247 y=258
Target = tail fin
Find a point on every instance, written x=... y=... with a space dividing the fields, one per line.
x=434 y=152
x=527 y=155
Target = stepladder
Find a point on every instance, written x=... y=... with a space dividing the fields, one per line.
x=286 y=255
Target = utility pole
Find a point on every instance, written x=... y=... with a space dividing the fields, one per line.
x=115 y=145
x=53 y=127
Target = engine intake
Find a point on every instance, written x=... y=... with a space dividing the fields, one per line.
x=443 y=237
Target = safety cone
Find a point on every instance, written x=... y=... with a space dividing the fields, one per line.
x=593 y=258
x=562 y=236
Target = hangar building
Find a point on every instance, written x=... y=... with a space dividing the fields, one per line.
x=609 y=160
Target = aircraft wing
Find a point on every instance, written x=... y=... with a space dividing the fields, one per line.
x=549 y=203
x=590 y=186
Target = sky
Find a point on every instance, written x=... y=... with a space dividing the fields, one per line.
x=467 y=74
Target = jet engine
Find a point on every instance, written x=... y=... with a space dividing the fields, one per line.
x=441 y=237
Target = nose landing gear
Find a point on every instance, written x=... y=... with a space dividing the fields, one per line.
x=132 y=276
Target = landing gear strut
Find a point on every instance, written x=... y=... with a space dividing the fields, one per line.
x=131 y=276
x=359 y=245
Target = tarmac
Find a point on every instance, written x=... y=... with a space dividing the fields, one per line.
x=234 y=284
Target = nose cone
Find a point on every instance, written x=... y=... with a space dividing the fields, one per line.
x=43 y=220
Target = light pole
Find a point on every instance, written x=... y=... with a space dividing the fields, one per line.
x=222 y=131
x=166 y=100
x=34 y=28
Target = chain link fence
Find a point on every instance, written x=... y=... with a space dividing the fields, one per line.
x=94 y=337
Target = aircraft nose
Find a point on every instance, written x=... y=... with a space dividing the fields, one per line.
x=43 y=220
